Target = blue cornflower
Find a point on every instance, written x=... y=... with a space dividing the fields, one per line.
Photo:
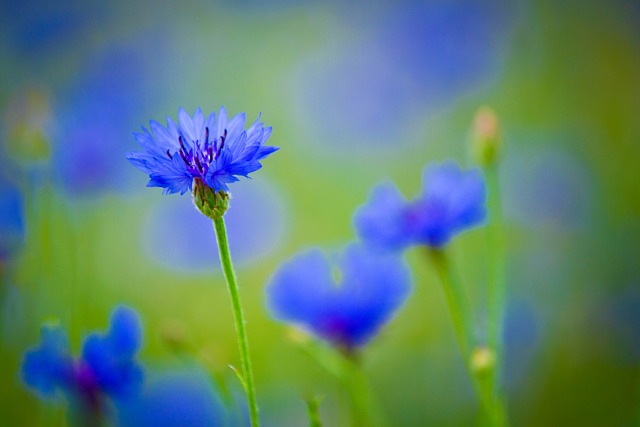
x=349 y=313
x=452 y=201
x=212 y=152
x=106 y=368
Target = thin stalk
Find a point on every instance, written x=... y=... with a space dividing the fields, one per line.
x=313 y=412
x=345 y=367
x=238 y=316
x=460 y=311
x=496 y=277
x=356 y=386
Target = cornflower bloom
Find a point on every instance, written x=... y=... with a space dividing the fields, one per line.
x=203 y=156
x=452 y=200
x=207 y=154
x=105 y=369
x=349 y=313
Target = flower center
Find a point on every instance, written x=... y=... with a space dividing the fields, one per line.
x=199 y=157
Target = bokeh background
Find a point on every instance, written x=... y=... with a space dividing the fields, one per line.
x=356 y=92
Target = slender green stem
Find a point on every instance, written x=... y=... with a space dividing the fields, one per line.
x=243 y=342
x=460 y=310
x=496 y=283
x=345 y=367
x=313 y=412
x=496 y=279
x=356 y=385
x=459 y=306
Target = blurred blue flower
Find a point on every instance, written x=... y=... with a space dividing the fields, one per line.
x=12 y=227
x=49 y=366
x=184 y=398
x=214 y=150
x=388 y=64
x=452 y=201
x=107 y=366
x=38 y=29
x=184 y=247
x=93 y=112
x=349 y=313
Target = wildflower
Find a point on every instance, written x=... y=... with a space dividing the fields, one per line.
x=106 y=367
x=346 y=314
x=213 y=152
x=452 y=201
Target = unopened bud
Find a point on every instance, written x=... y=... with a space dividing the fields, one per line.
x=211 y=203
x=483 y=360
x=486 y=137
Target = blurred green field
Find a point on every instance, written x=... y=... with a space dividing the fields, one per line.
x=563 y=78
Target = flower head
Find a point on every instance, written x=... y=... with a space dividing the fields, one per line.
x=212 y=151
x=107 y=366
x=452 y=201
x=349 y=313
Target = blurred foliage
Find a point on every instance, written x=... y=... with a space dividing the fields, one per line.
x=338 y=85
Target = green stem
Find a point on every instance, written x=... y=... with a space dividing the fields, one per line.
x=496 y=279
x=238 y=316
x=356 y=386
x=459 y=306
x=345 y=367
x=496 y=282
x=313 y=412
x=460 y=310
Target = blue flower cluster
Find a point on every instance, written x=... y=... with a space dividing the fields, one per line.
x=106 y=368
x=375 y=281
x=213 y=150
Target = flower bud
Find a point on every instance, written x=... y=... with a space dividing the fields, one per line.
x=26 y=123
x=483 y=360
x=211 y=203
x=486 y=137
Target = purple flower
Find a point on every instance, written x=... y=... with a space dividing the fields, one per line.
x=452 y=201
x=212 y=150
x=347 y=314
x=107 y=366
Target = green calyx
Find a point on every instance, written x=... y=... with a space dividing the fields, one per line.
x=212 y=204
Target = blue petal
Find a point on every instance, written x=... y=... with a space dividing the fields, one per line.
x=452 y=201
x=381 y=222
x=126 y=331
x=300 y=288
x=49 y=366
x=222 y=121
x=186 y=125
x=236 y=124
x=111 y=356
x=374 y=286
